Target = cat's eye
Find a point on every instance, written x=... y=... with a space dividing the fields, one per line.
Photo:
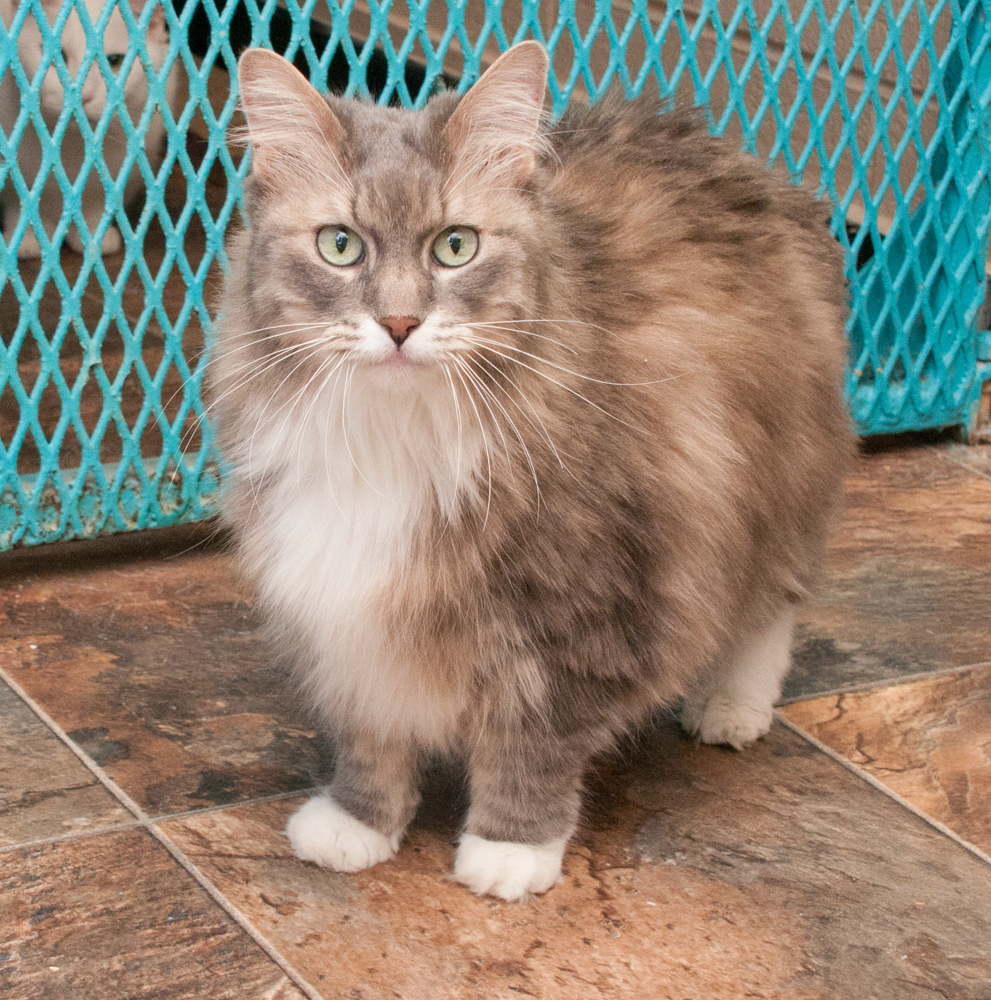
x=340 y=246
x=115 y=59
x=455 y=246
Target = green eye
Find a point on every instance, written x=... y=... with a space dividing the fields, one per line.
x=340 y=246
x=455 y=246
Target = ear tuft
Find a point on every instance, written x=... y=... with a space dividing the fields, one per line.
x=497 y=124
x=289 y=123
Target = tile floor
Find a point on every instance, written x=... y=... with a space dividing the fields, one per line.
x=149 y=757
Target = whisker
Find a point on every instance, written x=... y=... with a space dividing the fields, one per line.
x=211 y=364
x=269 y=360
x=566 y=388
x=486 y=391
x=485 y=441
x=344 y=431
x=275 y=326
x=294 y=398
x=289 y=406
x=199 y=418
x=314 y=397
x=568 y=371
x=457 y=464
x=475 y=381
x=256 y=369
x=326 y=431
x=481 y=359
x=500 y=325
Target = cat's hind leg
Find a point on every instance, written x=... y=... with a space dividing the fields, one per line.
x=734 y=703
x=360 y=819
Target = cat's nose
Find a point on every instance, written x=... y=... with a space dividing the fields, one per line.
x=400 y=327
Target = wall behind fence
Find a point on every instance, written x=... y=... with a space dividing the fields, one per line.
x=882 y=106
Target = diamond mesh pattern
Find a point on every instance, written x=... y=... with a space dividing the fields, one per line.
x=881 y=105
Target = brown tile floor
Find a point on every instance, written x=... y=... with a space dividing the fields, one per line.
x=699 y=873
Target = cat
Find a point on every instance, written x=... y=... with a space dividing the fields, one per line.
x=533 y=429
x=93 y=99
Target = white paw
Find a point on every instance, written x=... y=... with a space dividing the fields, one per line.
x=508 y=870
x=323 y=832
x=722 y=720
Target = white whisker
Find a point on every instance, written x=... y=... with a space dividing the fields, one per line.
x=457 y=467
x=588 y=378
x=486 y=391
x=497 y=380
x=485 y=442
x=504 y=325
x=566 y=388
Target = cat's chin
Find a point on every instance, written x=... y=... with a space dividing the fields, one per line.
x=397 y=359
x=398 y=371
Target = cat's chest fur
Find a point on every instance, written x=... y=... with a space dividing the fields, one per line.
x=348 y=490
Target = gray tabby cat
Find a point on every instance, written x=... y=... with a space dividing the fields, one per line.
x=535 y=430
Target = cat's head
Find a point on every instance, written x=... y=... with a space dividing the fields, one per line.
x=398 y=241
x=71 y=46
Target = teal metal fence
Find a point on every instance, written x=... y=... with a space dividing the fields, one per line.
x=882 y=106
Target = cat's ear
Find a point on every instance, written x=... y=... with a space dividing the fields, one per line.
x=497 y=124
x=289 y=123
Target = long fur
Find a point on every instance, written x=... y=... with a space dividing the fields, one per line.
x=603 y=462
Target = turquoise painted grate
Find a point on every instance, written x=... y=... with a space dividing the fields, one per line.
x=883 y=106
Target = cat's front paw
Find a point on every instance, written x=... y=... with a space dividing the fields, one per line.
x=508 y=870
x=323 y=832
x=722 y=720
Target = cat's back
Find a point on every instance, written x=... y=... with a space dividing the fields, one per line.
x=709 y=254
x=647 y=146
x=718 y=294
x=659 y=196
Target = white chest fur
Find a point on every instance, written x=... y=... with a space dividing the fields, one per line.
x=348 y=487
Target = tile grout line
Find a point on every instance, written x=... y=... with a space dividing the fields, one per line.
x=65 y=838
x=895 y=681
x=233 y=912
x=111 y=786
x=97 y=831
x=145 y=822
x=223 y=807
x=881 y=787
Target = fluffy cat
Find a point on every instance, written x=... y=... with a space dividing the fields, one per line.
x=93 y=98
x=533 y=429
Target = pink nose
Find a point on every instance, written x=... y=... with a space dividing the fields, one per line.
x=400 y=327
